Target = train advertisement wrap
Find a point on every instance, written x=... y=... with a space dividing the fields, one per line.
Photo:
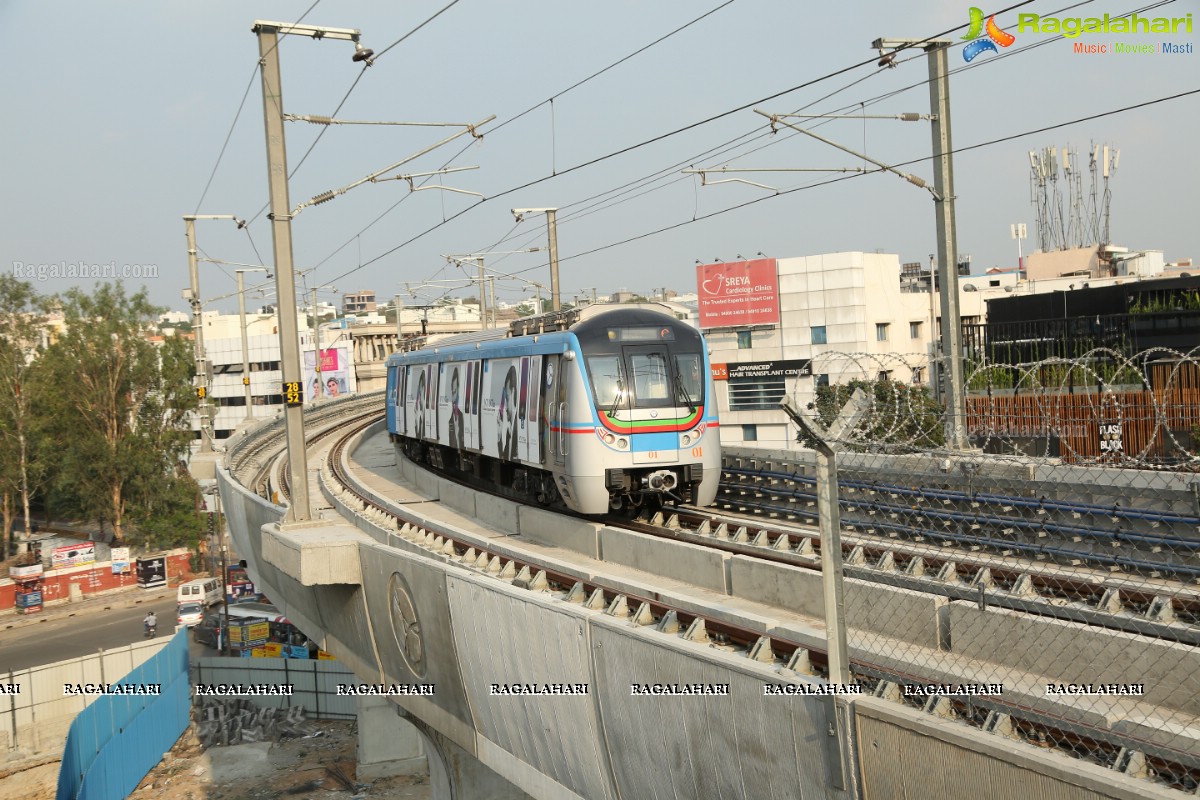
x=738 y=293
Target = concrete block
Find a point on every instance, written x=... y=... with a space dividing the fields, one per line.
x=315 y=554
x=427 y=483
x=387 y=744
x=682 y=561
x=578 y=535
x=458 y=497
x=500 y=514
x=1065 y=652
x=914 y=617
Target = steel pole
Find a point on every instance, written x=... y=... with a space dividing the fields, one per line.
x=492 y=300
x=947 y=242
x=241 y=289
x=316 y=347
x=552 y=231
x=285 y=279
x=198 y=334
x=482 y=297
x=397 y=305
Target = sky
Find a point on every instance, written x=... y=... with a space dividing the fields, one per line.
x=122 y=118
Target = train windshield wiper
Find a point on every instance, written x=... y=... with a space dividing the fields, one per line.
x=680 y=390
x=612 y=411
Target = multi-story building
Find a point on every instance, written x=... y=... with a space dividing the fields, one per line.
x=358 y=302
x=228 y=382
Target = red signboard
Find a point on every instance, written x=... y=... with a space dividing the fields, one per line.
x=738 y=293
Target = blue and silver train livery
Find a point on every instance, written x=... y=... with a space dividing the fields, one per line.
x=601 y=409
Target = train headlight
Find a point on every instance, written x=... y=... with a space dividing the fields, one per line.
x=622 y=443
x=691 y=437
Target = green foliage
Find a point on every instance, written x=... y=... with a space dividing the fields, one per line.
x=117 y=403
x=900 y=414
x=169 y=518
x=22 y=313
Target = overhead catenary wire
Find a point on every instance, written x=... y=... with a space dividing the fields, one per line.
x=237 y=115
x=536 y=106
x=783 y=193
x=661 y=174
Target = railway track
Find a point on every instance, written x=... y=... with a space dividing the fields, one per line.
x=1032 y=588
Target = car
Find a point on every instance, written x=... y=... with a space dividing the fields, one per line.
x=209 y=629
x=189 y=614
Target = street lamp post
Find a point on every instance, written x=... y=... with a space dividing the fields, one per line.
x=552 y=232
x=281 y=234
x=193 y=296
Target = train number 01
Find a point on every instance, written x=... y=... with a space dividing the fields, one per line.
x=697 y=452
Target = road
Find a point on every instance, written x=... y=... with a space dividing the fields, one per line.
x=61 y=637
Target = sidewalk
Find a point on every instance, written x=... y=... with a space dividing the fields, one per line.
x=127 y=597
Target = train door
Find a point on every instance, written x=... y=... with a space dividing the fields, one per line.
x=528 y=409
x=431 y=426
x=557 y=415
x=470 y=405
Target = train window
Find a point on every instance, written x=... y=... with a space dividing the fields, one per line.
x=650 y=381
x=608 y=380
x=688 y=367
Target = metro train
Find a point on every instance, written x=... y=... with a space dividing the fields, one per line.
x=608 y=408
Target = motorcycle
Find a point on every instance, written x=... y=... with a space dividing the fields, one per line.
x=151 y=630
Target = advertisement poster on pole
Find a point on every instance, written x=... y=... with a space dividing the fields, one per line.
x=120 y=561
x=334 y=379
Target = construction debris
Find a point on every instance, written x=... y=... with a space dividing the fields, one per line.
x=234 y=720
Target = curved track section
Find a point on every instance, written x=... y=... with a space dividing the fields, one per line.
x=915 y=568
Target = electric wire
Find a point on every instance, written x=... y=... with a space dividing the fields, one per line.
x=534 y=107
x=238 y=114
x=826 y=182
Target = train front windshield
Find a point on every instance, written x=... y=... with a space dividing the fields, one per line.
x=646 y=377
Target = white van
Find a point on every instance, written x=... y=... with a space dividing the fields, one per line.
x=205 y=591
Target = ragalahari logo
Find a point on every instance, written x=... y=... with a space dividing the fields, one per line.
x=995 y=36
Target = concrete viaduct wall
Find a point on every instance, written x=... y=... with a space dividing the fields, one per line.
x=403 y=614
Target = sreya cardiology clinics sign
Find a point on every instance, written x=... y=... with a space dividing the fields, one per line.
x=738 y=293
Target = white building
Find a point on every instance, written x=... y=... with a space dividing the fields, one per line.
x=829 y=319
x=227 y=389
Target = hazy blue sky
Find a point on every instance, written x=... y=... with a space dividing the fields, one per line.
x=115 y=114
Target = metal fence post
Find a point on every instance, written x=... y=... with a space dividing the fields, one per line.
x=830 y=524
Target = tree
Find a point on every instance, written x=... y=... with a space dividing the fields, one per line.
x=900 y=414
x=170 y=518
x=22 y=315
x=121 y=404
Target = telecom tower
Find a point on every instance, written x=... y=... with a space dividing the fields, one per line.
x=1085 y=224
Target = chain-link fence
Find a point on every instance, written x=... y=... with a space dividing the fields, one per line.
x=1043 y=583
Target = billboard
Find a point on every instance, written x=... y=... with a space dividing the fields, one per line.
x=73 y=555
x=788 y=368
x=120 y=561
x=151 y=572
x=336 y=376
x=738 y=293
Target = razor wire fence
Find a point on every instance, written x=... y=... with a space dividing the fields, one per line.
x=1042 y=584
